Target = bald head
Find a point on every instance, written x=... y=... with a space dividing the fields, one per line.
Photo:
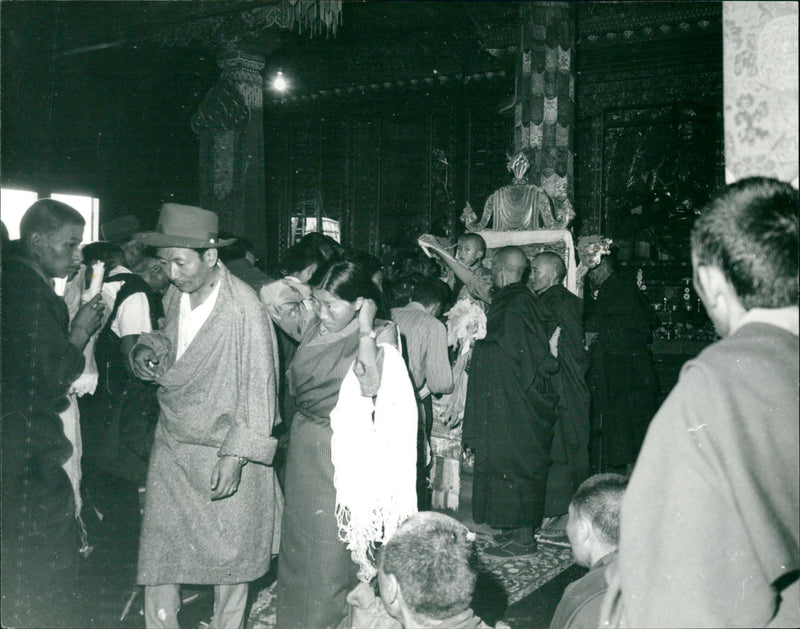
x=509 y=266
x=547 y=269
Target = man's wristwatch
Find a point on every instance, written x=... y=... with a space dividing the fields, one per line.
x=371 y=334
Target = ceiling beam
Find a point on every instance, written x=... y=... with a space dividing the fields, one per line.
x=138 y=35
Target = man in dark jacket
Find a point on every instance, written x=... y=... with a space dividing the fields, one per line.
x=42 y=357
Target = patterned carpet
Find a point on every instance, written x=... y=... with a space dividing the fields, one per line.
x=520 y=576
x=517 y=576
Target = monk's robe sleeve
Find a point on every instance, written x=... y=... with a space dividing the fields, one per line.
x=572 y=333
x=479 y=285
x=256 y=401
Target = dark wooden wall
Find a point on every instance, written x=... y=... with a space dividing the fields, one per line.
x=388 y=168
x=648 y=98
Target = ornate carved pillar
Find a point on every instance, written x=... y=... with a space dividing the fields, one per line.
x=544 y=115
x=760 y=90
x=229 y=122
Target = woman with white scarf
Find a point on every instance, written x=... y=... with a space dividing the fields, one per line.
x=350 y=478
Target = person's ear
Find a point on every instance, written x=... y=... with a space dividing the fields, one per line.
x=719 y=297
x=391 y=596
x=708 y=283
x=390 y=589
x=717 y=294
x=36 y=242
x=584 y=529
x=211 y=256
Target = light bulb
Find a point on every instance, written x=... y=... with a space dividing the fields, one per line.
x=279 y=82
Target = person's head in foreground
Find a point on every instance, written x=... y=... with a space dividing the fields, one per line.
x=50 y=235
x=745 y=250
x=427 y=571
x=593 y=525
x=471 y=249
x=338 y=291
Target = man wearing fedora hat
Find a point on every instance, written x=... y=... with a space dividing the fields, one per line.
x=42 y=355
x=124 y=231
x=212 y=503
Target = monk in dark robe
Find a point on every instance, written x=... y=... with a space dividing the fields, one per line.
x=510 y=407
x=570 y=448
x=621 y=374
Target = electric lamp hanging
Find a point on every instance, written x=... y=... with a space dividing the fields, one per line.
x=279 y=83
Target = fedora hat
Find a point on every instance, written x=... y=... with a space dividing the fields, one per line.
x=185 y=226
x=120 y=229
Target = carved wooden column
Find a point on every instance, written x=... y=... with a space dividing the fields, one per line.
x=230 y=125
x=544 y=115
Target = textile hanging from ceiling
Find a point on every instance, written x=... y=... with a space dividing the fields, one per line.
x=760 y=90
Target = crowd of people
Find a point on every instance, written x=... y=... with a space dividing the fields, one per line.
x=292 y=417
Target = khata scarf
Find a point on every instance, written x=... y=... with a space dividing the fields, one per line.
x=374 y=452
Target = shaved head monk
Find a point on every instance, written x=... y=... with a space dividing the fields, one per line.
x=510 y=408
x=570 y=448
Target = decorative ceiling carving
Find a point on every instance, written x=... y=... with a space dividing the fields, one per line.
x=622 y=37
x=246 y=28
x=421 y=84
x=609 y=20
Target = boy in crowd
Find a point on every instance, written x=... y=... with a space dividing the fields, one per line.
x=593 y=532
x=471 y=277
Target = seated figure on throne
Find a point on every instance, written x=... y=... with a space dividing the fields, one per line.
x=519 y=206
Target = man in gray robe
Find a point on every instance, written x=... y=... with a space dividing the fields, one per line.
x=212 y=505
